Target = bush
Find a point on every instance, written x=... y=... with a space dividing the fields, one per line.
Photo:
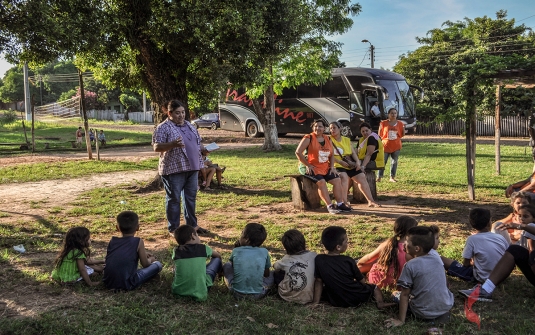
x=9 y=117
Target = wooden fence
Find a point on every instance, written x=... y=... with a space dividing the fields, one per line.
x=511 y=126
x=140 y=117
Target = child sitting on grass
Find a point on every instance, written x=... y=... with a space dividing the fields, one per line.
x=193 y=277
x=423 y=282
x=513 y=236
x=74 y=262
x=247 y=273
x=481 y=252
x=344 y=284
x=296 y=269
x=515 y=255
x=384 y=264
x=123 y=255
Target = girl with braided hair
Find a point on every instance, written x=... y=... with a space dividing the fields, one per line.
x=384 y=264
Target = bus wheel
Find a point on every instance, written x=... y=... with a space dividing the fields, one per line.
x=346 y=130
x=214 y=126
x=252 y=129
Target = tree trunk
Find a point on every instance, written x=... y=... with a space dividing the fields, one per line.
x=266 y=116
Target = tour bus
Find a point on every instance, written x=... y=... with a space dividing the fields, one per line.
x=347 y=98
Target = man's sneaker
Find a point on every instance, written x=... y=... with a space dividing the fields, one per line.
x=332 y=209
x=482 y=296
x=344 y=208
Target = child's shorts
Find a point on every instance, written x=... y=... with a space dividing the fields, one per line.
x=464 y=272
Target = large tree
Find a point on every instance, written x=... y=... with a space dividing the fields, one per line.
x=302 y=54
x=449 y=52
x=457 y=65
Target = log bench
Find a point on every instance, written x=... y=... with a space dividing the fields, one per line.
x=304 y=192
x=358 y=197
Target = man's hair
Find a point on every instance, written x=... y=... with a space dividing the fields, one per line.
x=422 y=236
x=183 y=234
x=479 y=218
x=293 y=241
x=128 y=222
x=174 y=104
x=255 y=233
x=365 y=124
x=332 y=236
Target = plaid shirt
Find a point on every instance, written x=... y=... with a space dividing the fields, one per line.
x=176 y=159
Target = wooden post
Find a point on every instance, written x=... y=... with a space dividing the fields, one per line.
x=33 y=124
x=497 y=128
x=84 y=114
x=96 y=144
x=471 y=150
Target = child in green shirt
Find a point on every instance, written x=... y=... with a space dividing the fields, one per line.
x=193 y=277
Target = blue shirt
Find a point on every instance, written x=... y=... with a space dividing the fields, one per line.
x=249 y=264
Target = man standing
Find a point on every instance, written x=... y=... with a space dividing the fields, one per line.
x=179 y=145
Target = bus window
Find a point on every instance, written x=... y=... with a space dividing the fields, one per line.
x=394 y=97
x=356 y=103
x=308 y=91
x=406 y=95
x=357 y=81
x=334 y=88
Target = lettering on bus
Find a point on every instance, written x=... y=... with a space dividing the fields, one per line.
x=299 y=117
x=239 y=98
x=287 y=113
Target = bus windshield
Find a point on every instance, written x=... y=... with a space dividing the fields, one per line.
x=399 y=97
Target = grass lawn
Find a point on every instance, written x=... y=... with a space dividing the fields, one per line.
x=431 y=187
x=58 y=135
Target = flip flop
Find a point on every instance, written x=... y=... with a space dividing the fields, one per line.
x=374 y=205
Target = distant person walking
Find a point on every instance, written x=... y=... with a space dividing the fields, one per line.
x=391 y=131
x=179 y=145
x=79 y=135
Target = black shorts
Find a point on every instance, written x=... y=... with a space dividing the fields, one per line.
x=351 y=173
x=317 y=177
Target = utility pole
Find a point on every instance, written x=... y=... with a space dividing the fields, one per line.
x=372 y=51
x=27 y=102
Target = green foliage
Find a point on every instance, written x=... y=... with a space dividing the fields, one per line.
x=462 y=56
x=13 y=85
x=8 y=116
x=131 y=103
x=67 y=95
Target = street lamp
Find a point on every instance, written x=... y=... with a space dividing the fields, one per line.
x=372 y=48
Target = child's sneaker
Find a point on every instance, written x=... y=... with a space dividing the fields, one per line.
x=344 y=208
x=483 y=295
x=332 y=209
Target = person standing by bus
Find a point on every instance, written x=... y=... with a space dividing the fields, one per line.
x=179 y=145
x=391 y=131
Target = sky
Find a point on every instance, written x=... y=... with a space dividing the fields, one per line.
x=392 y=25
